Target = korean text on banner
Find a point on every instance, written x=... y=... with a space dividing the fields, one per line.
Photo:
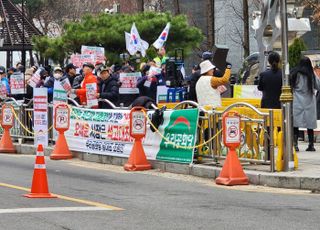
x=129 y=83
x=35 y=79
x=107 y=132
x=40 y=116
x=91 y=94
x=180 y=130
x=17 y=83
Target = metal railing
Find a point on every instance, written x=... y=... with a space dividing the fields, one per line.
x=257 y=130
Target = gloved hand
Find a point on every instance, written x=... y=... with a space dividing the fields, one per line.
x=228 y=65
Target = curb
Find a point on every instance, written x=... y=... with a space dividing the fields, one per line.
x=278 y=180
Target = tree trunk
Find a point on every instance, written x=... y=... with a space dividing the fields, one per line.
x=140 y=5
x=246 y=38
x=210 y=24
x=176 y=5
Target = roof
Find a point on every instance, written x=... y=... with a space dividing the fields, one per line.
x=12 y=29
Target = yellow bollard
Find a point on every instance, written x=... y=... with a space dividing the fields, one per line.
x=279 y=161
x=275 y=137
x=295 y=159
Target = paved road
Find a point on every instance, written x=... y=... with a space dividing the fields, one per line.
x=150 y=200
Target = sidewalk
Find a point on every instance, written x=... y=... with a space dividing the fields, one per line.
x=306 y=177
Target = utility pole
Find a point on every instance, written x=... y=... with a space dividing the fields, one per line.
x=211 y=23
x=246 y=38
x=286 y=97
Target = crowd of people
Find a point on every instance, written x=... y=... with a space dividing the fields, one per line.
x=108 y=82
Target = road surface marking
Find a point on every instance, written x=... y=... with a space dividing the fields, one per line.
x=87 y=202
x=52 y=209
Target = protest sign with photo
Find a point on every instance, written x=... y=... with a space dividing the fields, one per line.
x=129 y=83
x=91 y=94
x=35 y=79
x=17 y=83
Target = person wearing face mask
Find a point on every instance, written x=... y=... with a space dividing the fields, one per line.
x=49 y=81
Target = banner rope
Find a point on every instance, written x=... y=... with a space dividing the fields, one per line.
x=25 y=128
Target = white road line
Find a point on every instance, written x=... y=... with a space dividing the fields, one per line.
x=52 y=209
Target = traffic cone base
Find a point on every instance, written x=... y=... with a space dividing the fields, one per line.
x=137 y=160
x=232 y=172
x=6 y=145
x=40 y=195
x=39 y=187
x=61 y=150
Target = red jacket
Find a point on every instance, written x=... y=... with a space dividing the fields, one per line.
x=81 y=93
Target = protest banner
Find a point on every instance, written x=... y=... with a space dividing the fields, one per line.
x=107 y=132
x=17 y=83
x=98 y=53
x=35 y=79
x=129 y=83
x=79 y=59
x=153 y=71
x=91 y=95
x=40 y=116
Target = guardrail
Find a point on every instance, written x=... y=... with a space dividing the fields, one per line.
x=258 y=133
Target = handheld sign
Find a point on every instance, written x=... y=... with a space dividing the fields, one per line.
x=7 y=116
x=138 y=122
x=62 y=117
x=231 y=130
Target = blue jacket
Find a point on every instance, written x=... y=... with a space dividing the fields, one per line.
x=5 y=81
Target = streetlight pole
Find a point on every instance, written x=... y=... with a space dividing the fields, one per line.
x=286 y=97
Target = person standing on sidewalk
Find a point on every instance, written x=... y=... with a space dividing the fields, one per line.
x=270 y=83
x=304 y=83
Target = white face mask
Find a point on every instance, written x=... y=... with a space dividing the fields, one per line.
x=57 y=75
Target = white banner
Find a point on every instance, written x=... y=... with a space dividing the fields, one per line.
x=107 y=132
x=40 y=116
x=246 y=91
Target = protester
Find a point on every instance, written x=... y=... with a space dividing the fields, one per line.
x=195 y=76
x=270 y=83
x=304 y=83
x=161 y=58
x=147 y=84
x=70 y=73
x=207 y=86
x=10 y=71
x=88 y=79
x=108 y=88
x=98 y=66
x=4 y=80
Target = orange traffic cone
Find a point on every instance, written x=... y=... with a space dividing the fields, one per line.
x=61 y=150
x=6 y=145
x=39 y=188
x=232 y=172
x=137 y=160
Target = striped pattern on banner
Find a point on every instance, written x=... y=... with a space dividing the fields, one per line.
x=40 y=154
x=39 y=166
